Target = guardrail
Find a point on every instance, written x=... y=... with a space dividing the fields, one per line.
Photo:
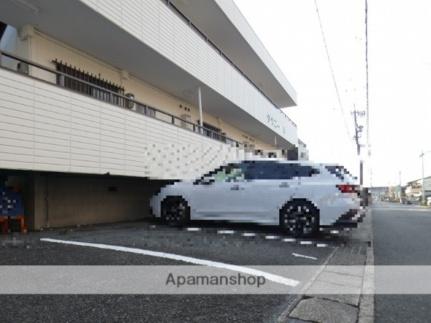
x=105 y=95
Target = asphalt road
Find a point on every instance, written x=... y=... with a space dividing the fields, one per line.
x=208 y=243
x=402 y=237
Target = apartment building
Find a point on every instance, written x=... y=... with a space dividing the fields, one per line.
x=102 y=102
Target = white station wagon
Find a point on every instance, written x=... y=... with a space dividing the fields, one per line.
x=298 y=196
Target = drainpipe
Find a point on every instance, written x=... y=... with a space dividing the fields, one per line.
x=201 y=120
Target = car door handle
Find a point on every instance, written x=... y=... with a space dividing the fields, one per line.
x=284 y=184
x=236 y=188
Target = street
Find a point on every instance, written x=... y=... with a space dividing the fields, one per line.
x=226 y=243
x=402 y=237
x=400 y=232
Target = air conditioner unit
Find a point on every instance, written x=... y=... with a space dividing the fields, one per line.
x=22 y=68
x=187 y=118
x=130 y=104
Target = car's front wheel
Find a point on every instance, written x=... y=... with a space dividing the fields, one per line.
x=299 y=219
x=175 y=211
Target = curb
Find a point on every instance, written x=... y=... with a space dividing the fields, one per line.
x=284 y=316
x=366 y=304
x=345 y=308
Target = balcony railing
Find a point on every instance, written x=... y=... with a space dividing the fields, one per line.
x=61 y=79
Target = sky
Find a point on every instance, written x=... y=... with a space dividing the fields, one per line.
x=399 y=77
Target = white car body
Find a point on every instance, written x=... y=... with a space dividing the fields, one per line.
x=260 y=200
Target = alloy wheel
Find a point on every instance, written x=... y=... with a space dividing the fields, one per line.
x=175 y=212
x=299 y=220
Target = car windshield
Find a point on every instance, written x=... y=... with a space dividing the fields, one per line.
x=228 y=173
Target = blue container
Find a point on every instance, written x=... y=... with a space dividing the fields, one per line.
x=10 y=203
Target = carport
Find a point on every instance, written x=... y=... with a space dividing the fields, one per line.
x=60 y=200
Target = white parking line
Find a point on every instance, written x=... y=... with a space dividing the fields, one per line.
x=321 y=245
x=303 y=256
x=272 y=237
x=249 y=234
x=306 y=243
x=225 y=232
x=194 y=229
x=246 y=270
x=289 y=240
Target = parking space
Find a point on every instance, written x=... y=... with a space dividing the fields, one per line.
x=231 y=244
x=239 y=244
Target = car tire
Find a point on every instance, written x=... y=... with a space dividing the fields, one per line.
x=175 y=211
x=299 y=219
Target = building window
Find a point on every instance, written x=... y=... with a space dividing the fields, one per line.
x=213 y=132
x=94 y=85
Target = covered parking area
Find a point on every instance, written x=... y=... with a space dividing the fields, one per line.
x=60 y=199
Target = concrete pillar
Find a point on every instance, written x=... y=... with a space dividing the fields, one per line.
x=40 y=202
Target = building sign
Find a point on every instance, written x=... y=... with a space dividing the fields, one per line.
x=272 y=121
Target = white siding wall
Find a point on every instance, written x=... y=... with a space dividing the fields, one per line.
x=240 y=22
x=43 y=127
x=156 y=25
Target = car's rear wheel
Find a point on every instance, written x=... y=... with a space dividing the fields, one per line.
x=299 y=219
x=175 y=211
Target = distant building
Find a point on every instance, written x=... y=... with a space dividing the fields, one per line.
x=379 y=191
x=414 y=188
x=303 y=153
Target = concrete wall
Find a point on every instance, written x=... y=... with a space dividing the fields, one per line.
x=59 y=200
x=72 y=200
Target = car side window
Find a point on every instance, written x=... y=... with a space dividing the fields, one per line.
x=267 y=170
x=278 y=171
x=305 y=171
x=229 y=173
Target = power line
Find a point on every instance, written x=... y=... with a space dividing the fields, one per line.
x=334 y=80
x=367 y=99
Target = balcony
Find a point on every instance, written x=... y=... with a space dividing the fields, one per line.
x=162 y=49
x=64 y=124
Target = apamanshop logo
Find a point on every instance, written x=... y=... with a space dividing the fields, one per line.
x=215 y=280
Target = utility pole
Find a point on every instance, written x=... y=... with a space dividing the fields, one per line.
x=422 y=155
x=400 y=187
x=367 y=96
x=358 y=134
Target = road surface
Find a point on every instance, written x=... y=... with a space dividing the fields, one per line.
x=402 y=237
x=217 y=243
